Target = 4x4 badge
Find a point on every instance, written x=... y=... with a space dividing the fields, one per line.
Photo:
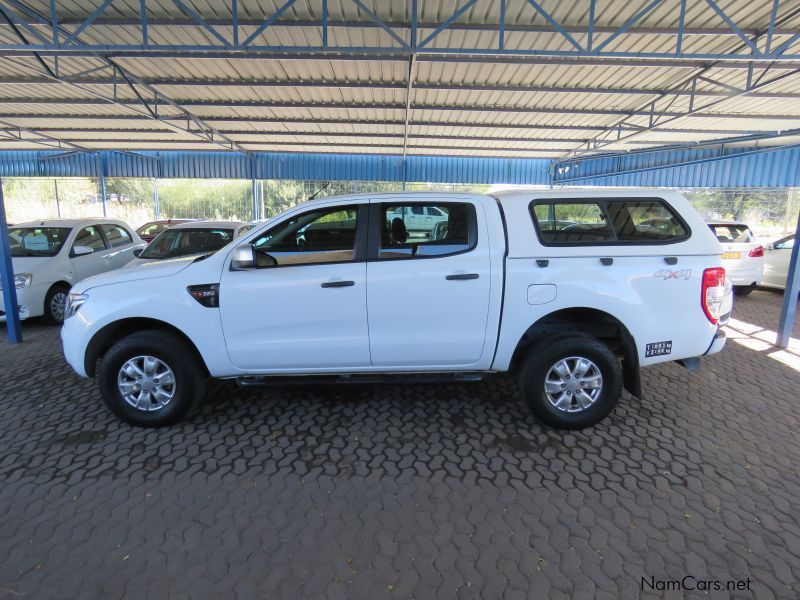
x=666 y=274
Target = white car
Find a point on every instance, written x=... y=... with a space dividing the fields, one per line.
x=190 y=239
x=776 y=262
x=565 y=288
x=742 y=256
x=50 y=257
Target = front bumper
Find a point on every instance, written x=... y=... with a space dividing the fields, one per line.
x=24 y=312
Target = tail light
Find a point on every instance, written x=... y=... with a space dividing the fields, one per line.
x=756 y=252
x=712 y=295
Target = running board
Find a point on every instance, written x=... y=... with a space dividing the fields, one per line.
x=360 y=378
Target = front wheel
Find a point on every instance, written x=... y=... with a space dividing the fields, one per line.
x=151 y=379
x=55 y=303
x=571 y=382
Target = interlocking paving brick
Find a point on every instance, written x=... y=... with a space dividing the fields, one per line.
x=450 y=491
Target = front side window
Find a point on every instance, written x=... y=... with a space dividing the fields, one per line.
x=37 y=241
x=408 y=231
x=324 y=235
x=173 y=243
x=607 y=221
x=90 y=237
x=732 y=234
x=116 y=236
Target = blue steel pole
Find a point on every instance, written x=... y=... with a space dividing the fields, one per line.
x=103 y=182
x=789 y=306
x=7 y=278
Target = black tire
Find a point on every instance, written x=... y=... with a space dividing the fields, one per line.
x=743 y=290
x=542 y=357
x=189 y=376
x=53 y=315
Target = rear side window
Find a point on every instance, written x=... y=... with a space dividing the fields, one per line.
x=424 y=231
x=116 y=236
x=607 y=221
x=732 y=234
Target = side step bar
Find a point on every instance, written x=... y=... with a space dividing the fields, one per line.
x=357 y=378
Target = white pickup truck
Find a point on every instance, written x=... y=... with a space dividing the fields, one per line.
x=571 y=289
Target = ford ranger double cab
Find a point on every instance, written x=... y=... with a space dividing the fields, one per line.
x=573 y=290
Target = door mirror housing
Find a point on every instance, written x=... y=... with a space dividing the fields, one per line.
x=244 y=258
x=81 y=250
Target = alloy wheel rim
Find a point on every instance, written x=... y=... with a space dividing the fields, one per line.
x=573 y=384
x=58 y=304
x=146 y=383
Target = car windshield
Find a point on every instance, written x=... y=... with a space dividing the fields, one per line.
x=183 y=242
x=732 y=234
x=37 y=241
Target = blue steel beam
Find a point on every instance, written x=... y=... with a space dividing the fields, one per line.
x=10 y=304
x=789 y=306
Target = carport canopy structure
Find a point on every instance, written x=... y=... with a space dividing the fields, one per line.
x=593 y=89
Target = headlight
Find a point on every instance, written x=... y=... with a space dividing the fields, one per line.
x=74 y=302
x=21 y=280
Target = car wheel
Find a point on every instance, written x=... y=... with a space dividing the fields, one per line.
x=743 y=290
x=571 y=382
x=55 y=304
x=151 y=379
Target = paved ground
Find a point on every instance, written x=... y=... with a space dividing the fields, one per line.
x=382 y=492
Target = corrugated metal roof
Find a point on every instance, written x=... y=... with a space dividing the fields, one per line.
x=497 y=107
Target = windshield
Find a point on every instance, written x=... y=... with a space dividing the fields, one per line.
x=37 y=241
x=736 y=234
x=183 y=242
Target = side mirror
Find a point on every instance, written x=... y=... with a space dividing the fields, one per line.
x=244 y=258
x=137 y=251
x=81 y=250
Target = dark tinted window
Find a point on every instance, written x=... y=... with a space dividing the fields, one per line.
x=408 y=231
x=317 y=236
x=606 y=221
x=90 y=236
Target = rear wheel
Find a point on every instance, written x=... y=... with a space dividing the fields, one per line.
x=55 y=304
x=151 y=379
x=571 y=382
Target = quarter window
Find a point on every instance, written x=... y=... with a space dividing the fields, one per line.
x=319 y=236
x=408 y=231
x=116 y=236
x=606 y=221
x=91 y=237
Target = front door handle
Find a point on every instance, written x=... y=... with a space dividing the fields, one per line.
x=461 y=276
x=335 y=284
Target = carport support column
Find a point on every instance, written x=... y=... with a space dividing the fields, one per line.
x=254 y=185
x=103 y=169
x=789 y=306
x=7 y=278
x=156 y=200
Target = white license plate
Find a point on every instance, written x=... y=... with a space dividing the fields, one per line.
x=731 y=255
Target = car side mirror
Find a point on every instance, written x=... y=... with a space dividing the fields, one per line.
x=244 y=258
x=81 y=250
x=137 y=251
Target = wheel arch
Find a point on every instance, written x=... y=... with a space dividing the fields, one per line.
x=105 y=338
x=590 y=321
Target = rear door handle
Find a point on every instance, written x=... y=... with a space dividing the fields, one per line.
x=335 y=284
x=462 y=276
